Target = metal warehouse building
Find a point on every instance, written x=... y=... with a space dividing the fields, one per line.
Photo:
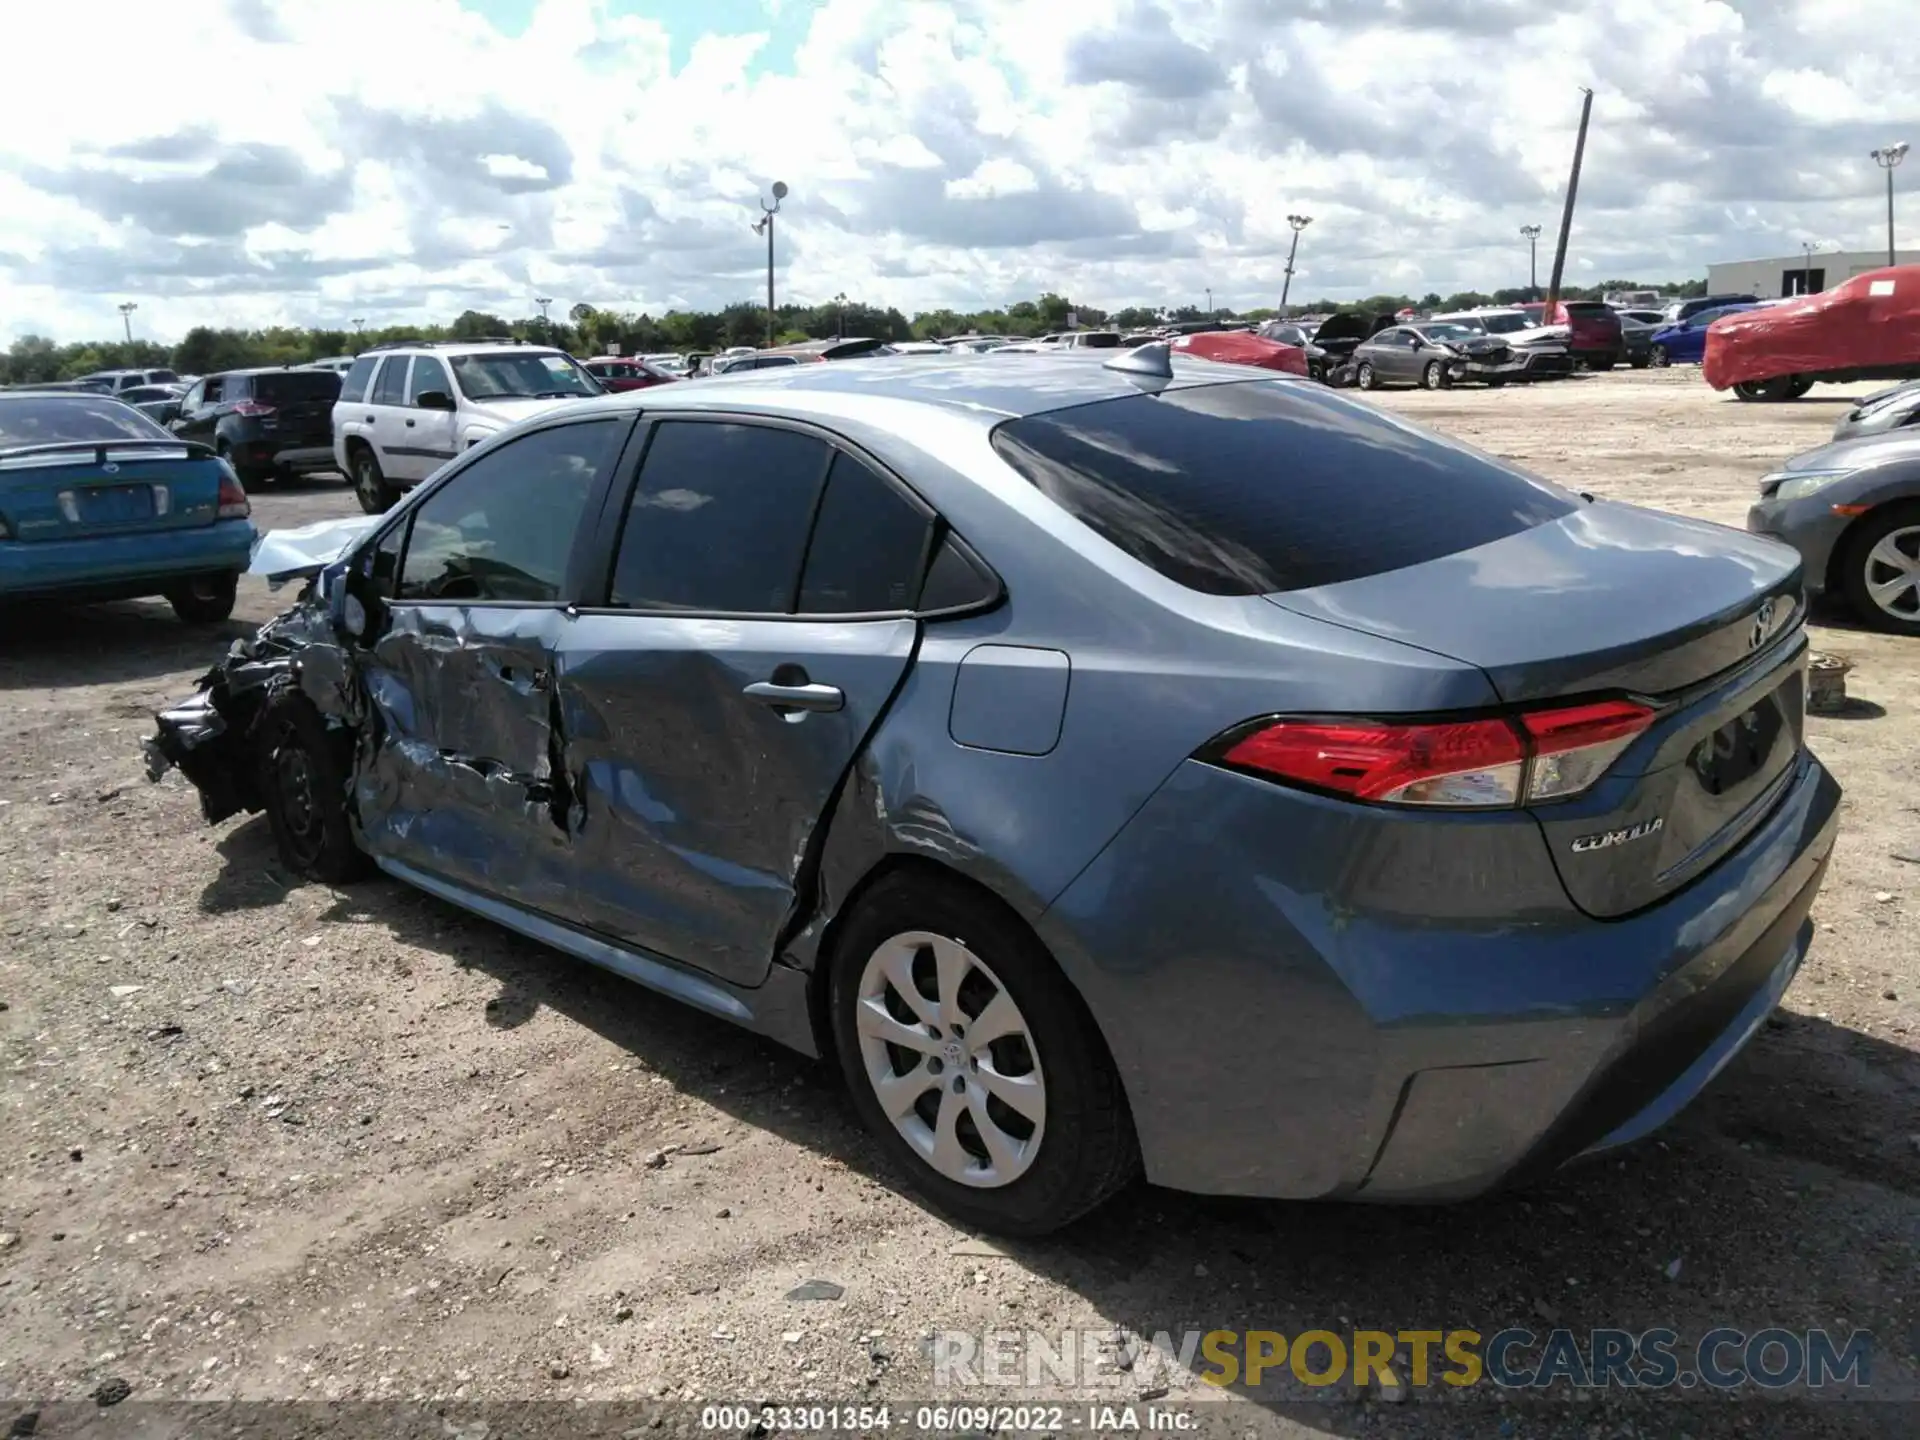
x=1792 y=274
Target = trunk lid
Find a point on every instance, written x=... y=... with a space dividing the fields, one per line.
x=1702 y=622
x=73 y=491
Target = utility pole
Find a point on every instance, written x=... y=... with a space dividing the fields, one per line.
x=840 y=316
x=546 y=325
x=1886 y=157
x=1532 y=232
x=127 y=307
x=1566 y=215
x=1209 y=302
x=1299 y=223
x=765 y=222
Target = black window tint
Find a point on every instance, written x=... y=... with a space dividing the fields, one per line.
x=502 y=528
x=383 y=566
x=294 y=385
x=219 y=387
x=718 y=520
x=428 y=374
x=354 y=387
x=1252 y=488
x=954 y=581
x=391 y=387
x=869 y=544
x=56 y=419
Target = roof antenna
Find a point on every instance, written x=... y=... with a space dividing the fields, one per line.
x=1152 y=360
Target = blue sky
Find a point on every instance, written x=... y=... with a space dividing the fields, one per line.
x=784 y=21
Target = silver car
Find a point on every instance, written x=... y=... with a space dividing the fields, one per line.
x=1880 y=412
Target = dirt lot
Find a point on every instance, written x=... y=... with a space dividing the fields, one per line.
x=274 y=1141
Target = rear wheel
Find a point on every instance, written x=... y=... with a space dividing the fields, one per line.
x=1435 y=376
x=206 y=600
x=303 y=776
x=1659 y=357
x=1365 y=377
x=1780 y=387
x=973 y=1061
x=370 y=487
x=1880 y=574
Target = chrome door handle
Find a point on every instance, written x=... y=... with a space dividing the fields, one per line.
x=796 y=697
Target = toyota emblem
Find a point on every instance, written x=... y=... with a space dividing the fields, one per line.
x=1762 y=626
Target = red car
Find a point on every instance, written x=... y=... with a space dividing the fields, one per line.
x=618 y=374
x=1242 y=347
x=1593 y=330
x=1866 y=328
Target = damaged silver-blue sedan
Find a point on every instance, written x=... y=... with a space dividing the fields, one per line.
x=1114 y=763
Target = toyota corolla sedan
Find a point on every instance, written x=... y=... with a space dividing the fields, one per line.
x=1112 y=762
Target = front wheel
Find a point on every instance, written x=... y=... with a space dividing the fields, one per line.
x=370 y=487
x=1780 y=387
x=304 y=768
x=1365 y=377
x=205 y=601
x=973 y=1060
x=1659 y=357
x=1880 y=573
x=1435 y=376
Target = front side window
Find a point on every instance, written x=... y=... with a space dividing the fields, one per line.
x=428 y=374
x=521 y=375
x=718 y=520
x=354 y=387
x=503 y=527
x=391 y=387
x=217 y=388
x=1258 y=487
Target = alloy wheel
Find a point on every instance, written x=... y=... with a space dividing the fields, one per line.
x=367 y=482
x=1893 y=573
x=1366 y=377
x=951 y=1059
x=1659 y=356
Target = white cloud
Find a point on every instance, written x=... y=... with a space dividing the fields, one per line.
x=304 y=161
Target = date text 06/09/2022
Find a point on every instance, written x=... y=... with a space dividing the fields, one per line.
x=942 y=1419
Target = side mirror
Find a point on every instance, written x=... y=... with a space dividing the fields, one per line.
x=434 y=400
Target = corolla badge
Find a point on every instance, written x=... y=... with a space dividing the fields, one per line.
x=1607 y=839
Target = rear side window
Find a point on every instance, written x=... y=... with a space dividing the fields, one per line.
x=718 y=520
x=391 y=387
x=1256 y=488
x=57 y=419
x=354 y=387
x=869 y=545
x=297 y=385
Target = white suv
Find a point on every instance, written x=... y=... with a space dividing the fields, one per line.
x=408 y=407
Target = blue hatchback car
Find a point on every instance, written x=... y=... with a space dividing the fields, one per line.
x=1110 y=761
x=97 y=502
x=1685 y=341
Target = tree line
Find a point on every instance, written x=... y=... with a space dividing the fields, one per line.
x=591 y=330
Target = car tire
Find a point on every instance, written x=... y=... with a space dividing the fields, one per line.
x=1494 y=382
x=917 y=929
x=1894 y=528
x=1435 y=376
x=1779 y=388
x=1601 y=364
x=1638 y=362
x=371 y=487
x=1365 y=377
x=303 y=773
x=1659 y=358
x=206 y=600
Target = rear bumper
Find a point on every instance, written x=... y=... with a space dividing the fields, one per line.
x=122 y=565
x=1304 y=1002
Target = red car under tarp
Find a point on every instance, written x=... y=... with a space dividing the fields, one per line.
x=1243 y=347
x=1866 y=328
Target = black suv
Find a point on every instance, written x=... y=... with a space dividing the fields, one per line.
x=267 y=423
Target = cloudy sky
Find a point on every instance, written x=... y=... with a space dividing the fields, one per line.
x=308 y=161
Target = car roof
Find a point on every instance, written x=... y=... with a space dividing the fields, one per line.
x=992 y=386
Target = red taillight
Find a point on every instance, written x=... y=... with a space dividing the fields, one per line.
x=252 y=407
x=1481 y=763
x=233 y=500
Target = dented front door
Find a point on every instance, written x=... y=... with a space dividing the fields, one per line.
x=462 y=785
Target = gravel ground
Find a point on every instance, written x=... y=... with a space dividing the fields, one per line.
x=268 y=1141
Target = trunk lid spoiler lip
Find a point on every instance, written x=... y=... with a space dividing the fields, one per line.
x=99 y=448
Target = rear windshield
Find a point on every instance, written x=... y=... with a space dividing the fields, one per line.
x=1100 y=340
x=1258 y=487
x=298 y=385
x=1590 y=309
x=53 y=419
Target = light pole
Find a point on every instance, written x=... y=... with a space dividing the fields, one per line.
x=1209 y=302
x=1806 y=270
x=359 y=324
x=840 y=316
x=1886 y=157
x=1532 y=232
x=1299 y=223
x=127 y=307
x=546 y=325
x=765 y=222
